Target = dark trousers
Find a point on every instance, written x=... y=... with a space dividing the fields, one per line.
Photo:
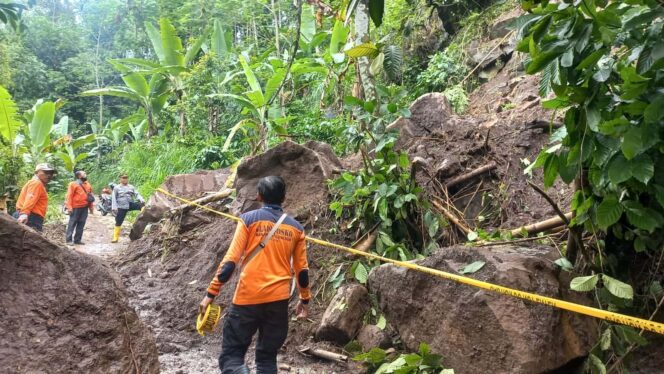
x=119 y=218
x=34 y=221
x=77 y=219
x=240 y=325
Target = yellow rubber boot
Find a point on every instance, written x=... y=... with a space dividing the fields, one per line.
x=116 y=234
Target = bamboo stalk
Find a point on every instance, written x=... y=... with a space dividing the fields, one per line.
x=451 y=217
x=471 y=174
x=541 y=226
x=201 y=201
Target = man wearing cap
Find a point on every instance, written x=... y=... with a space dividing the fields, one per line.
x=79 y=201
x=32 y=203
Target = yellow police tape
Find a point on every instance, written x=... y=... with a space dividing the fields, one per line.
x=577 y=308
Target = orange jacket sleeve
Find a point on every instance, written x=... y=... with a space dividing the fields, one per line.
x=70 y=195
x=32 y=196
x=301 y=267
x=230 y=261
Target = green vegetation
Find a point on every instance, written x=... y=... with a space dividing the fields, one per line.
x=422 y=362
x=602 y=63
x=157 y=87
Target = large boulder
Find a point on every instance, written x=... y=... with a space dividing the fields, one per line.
x=478 y=331
x=189 y=186
x=65 y=312
x=343 y=316
x=305 y=168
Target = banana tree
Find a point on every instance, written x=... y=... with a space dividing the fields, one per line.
x=65 y=146
x=173 y=60
x=151 y=96
x=255 y=103
x=10 y=124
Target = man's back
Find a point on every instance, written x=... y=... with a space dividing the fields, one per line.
x=267 y=276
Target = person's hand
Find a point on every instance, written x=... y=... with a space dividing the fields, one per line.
x=115 y=211
x=69 y=211
x=23 y=218
x=302 y=310
x=204 y=304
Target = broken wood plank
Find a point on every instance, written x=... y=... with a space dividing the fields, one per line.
x=327 y=355
x=541 y=226
x=200 y=201
x=470 y=175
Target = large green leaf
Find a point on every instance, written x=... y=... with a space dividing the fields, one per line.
x=155 y=38
x=246 y=123
x=393 y=61
x=273 y=83
x=618 y=288
x=339 y=37
x=137 y=83
x=619 y=169
x=376 y=10
x=363 y=50
x=584 y=284
x=643 y=218
x=9 y=123
x=242 y=101
x=361 y=273
x=172 y=45
x=472 y=268
x=308 y=27
x=609 y=212
x=134 y=63
x=256 y=98
x=220 y=45
x=249 y=74
x=61 y=128
x=83 y=140
x=113 y=91
x=42 y=122
x=642 y=168
x=195 y=47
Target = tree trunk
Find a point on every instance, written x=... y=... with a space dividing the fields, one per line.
x=362 y=36
x=183 y=117
x=275 y=13
x=152 y=127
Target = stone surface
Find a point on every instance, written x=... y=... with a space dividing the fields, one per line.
x=478 y=331
x=305 y=171
x=188 y=186
x=344 y=315
x=65 y=312
x=371 y=336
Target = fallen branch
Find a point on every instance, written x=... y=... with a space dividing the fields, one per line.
x=486 y=56
x=470 y=175
x=201 y=201
x=541 y=226
x=451 y=217
x=544 y=125
x=366 y=241
x=327 y=355
x=550 y=201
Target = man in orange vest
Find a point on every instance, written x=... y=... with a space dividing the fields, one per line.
x=266 y=244
x=79 y=201
x=32 y=203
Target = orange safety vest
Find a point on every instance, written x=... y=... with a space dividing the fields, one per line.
x=77 y=195
x=33 y=198
x=267 y=276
